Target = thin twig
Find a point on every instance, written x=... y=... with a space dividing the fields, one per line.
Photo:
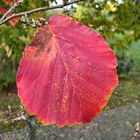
x=9 y=109
x=38 y=10
x=14 y=116
x=26 y=19
x=9 y=11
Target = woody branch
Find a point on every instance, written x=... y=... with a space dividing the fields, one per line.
x=6 y=18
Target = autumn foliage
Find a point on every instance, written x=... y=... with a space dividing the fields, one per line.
x=67 y=73
x=13 y=21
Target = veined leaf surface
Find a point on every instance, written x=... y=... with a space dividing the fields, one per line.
x=67 y=73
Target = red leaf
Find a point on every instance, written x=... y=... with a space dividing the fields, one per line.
x=13 y=21
x=2 y=11
x=67 y=73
